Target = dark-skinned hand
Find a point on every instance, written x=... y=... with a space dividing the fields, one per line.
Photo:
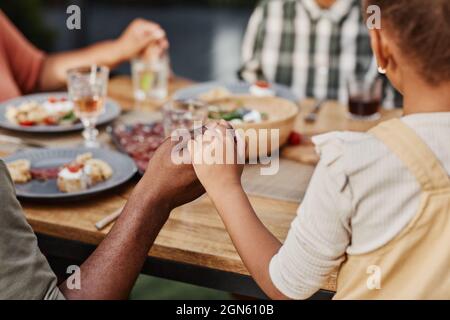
x=173 y=184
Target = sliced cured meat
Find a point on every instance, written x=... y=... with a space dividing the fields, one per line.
x=44 y=173
x=140 y=141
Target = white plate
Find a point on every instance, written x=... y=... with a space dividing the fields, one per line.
x=112 y=111
x=123 y=169
x=237 y=87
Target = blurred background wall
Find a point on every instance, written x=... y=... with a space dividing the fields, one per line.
x=205 y=35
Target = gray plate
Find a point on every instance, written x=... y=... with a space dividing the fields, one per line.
x=123 y=169
x=112 y=111
x=238 y=87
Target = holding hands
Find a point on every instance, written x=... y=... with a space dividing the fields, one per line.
x=217 y=158
x=213 y=165
x=216 y=164
x=170 y=184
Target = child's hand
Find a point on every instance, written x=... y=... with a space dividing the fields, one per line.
x=215 y=157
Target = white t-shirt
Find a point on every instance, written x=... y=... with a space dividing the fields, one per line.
x=360 y=197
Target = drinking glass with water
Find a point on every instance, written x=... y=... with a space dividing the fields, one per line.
x=150 y=77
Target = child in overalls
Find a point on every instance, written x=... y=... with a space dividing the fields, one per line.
x=378 y=206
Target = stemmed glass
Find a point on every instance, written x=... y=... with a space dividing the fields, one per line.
x=184 y=114
x=87 y=90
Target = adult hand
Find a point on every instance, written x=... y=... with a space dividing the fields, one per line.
x=142 y=37
x=122 y=254
x=172 y=184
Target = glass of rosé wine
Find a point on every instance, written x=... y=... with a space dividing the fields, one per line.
x=87 y=90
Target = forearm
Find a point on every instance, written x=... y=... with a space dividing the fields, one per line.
x=253 y=241
x=110 y=272
x=55 y=66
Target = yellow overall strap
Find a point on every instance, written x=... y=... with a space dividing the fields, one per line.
x=414 y=153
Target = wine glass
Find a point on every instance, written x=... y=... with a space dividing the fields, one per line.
x=184 y=114
x=87 y=90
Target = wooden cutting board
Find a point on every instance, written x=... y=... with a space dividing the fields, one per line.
x=332 y=117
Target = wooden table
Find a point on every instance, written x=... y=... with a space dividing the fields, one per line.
x=193 y=246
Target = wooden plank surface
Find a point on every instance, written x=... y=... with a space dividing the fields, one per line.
x=332 y=117
x=121 y=89
x=194 y=233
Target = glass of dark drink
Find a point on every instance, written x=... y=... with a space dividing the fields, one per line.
x=365 y=96
x=87 y=90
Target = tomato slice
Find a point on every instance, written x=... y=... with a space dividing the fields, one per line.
x=50 y=121
x=27 y=123
x=74 y=167
x=295 y=138
x=262 y=84
x=52 y=99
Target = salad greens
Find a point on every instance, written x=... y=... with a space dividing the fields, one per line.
x=237 y=115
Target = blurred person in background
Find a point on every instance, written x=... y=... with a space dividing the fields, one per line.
x=311 y=46
x=25 y=69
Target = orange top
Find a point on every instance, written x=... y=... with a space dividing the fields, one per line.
x=20 y=61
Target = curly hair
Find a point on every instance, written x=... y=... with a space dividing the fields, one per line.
x=422 y=31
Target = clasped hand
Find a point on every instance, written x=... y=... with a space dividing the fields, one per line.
x=175 y=184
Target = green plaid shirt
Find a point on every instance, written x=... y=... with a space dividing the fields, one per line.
x=314 y=51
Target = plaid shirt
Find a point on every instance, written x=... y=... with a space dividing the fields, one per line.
x=296 y=43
